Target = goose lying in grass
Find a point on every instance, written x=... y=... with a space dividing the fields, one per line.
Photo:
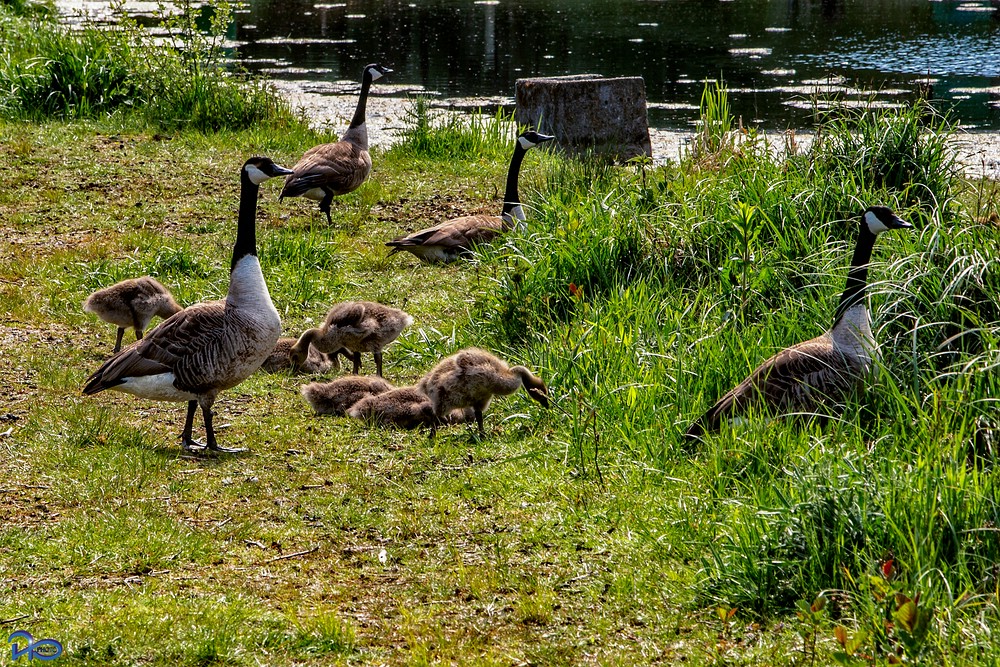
x=471 y=378
x=336 y=397
x=406 y=407
x=356 y=326
x=131 y=303
x=329 y=170
x=208 y=347
x=452 y=239
x=315 y=363
x=824 y=369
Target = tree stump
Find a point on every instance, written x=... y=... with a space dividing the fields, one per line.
x=587 y=112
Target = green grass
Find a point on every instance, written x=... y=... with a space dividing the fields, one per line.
x=590 y=533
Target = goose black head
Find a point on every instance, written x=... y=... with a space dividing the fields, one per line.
x=530 y=139
x=376 y=71
x=879 y=219
x=258 y=169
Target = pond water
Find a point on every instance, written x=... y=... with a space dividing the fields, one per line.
x=780 y=58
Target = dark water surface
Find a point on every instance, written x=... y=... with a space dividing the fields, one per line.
x=778 y=57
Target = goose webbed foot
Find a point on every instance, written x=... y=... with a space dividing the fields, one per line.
x=324 y=205
x=191 y=445
x=224 y=450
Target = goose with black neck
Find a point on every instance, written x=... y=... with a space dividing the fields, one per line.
x=334 y=169
x=456 y=238
x=208 y=347
x=822 y=370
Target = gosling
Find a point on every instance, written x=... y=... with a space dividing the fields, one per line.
x=335 y=398
x=471 y=378
x=356 y=326
x=131 y=303
x=315 y=363
x=406 y=407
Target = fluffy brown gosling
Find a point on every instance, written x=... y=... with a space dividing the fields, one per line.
x=335 y=398
x=132 y=304
x=356 y=326
x=471 y=378
x=316 y=362
x=406 y=407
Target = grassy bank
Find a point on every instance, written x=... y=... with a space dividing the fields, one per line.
x=591 y=533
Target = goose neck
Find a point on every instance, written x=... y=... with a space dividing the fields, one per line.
x=857 y=276
x=511 y=199
x=359 y=112
x=246 y=229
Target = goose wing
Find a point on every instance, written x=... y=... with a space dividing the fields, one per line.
x=798 y=377
x=348 y=316
x=185 y=344
x=338 y=166
x=460 y=233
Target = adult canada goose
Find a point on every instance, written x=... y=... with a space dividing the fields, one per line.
x=328 y=170
x=470 y=378
x=406 y=407
x=316 y=362
x=452 y=239
x=825 y=368
x=334 y=398
x=357 y=326
x=131 y=303
x=212 y=346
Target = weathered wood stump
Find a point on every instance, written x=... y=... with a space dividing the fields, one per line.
x=587 y=111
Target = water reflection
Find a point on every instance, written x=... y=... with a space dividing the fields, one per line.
x=778 y=55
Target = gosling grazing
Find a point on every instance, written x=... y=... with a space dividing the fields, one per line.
x=471 y=378
x=455 y=238
x=406 y=407
x=208 y=347
x=821 y=370
x=316 y=362
x=356 y=326
x=131 y=303
x=335 y=398
x=329 y=170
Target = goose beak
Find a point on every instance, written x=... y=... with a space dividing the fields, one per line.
x=898 y=223
x=545 y=137
x=281 y=171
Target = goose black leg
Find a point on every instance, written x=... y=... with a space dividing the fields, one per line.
x=206 y=413
x=187 y=442
x=479 y=420
x=378 y=363
x=325 y=204
x=356 y=358
x=118 y=343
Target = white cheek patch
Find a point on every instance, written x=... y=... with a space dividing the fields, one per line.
x=376 y=75
x=525 y=144
x=255 y=175
x=518 y=213
x=874 y=224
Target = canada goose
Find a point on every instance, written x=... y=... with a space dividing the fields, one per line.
x=315 y=362
x=357 y=326
x=211 y=346
x=452 y=239
x=406 y=407
x=470 y=378
x=825 y=368
x=334 y=398
x=131 y=303
x=328 y=170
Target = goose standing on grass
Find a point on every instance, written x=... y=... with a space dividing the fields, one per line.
x=355 y=326
x=329 y=170
x=212 y=346
x=821 y=370
x=131 y=303
x=316 y=362
x=452 y=239
x=406 y=407
x=471 y=378
x=335 y=398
